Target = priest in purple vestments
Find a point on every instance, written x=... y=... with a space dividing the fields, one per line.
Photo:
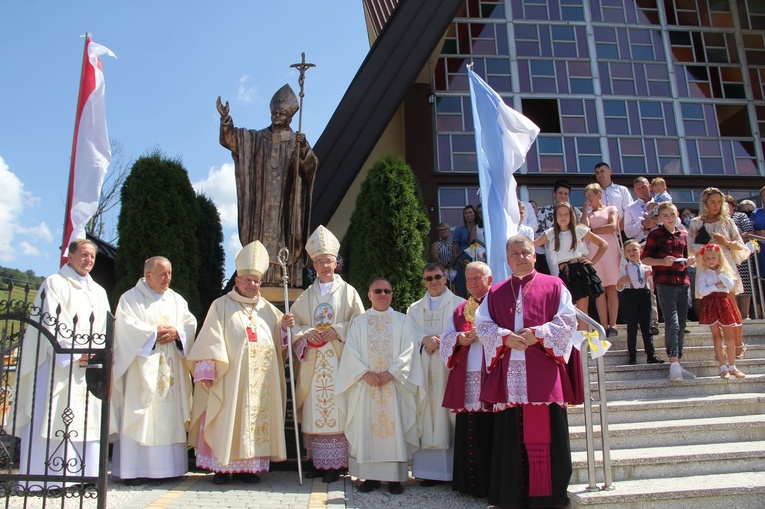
x=525 y=325
x=463 y=355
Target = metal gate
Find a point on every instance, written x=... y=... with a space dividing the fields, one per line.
x=57 y=458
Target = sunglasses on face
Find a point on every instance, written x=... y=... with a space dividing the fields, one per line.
x=437 y=277
x=378 y=291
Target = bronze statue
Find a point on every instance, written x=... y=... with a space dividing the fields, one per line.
x=274 y=170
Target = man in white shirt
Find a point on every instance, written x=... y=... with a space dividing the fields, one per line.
x=613 y=194
x=638 y=222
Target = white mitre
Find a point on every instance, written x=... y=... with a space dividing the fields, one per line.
x=252 y=259
x=321 y=242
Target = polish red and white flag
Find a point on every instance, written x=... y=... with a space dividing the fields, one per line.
x=91 y=152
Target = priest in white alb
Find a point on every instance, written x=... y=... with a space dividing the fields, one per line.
x=322 y=315
x=380 y=383
x=152 y=384
x=434 y=462
x=51 y=406
x=237 y=420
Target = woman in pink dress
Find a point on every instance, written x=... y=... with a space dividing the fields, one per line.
x=604 y=222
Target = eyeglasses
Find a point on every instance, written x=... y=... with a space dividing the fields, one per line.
x=437 y=277
x=378 y=291
x=324 y=264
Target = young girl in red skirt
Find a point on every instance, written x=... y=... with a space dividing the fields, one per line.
x=714 y=280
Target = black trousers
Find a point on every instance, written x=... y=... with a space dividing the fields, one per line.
x=636 y=306
x=541 y=265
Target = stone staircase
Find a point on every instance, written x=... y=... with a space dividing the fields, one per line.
x=691 y=444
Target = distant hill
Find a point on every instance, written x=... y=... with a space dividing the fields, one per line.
x=19 y=278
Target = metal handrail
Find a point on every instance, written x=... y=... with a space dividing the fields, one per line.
x=604 y=438
x=752 y=278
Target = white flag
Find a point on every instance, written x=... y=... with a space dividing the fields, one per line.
x=502 y=138
x=91 y=152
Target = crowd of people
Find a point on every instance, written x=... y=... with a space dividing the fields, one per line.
x=437 y=387
x=470 y=386
x=604 y=254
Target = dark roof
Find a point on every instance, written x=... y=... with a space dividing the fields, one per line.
x=392 y=65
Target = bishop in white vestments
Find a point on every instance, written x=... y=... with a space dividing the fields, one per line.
x=152 y=384
x=432 y=314
x=322 y=315
x=237 y=420
x=380 y=383
x=59 y=378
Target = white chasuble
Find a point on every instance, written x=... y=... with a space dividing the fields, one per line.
x=381 y=422
x=316 y=395
x=152 y=381
x=49 y=380
x=437 y=421
x=244 y=411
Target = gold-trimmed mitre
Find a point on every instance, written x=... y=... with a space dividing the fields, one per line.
x=252 y=259
x=321 y=242
x=285 y=98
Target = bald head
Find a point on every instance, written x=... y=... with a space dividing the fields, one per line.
x=158 y=272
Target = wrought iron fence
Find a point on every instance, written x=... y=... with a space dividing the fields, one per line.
x=54 y=396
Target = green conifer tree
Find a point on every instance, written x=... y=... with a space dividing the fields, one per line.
x=211 y=254
x=159 y=216
x=388 y=233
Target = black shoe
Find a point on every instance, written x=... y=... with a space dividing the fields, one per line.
x=132 y=482
x=331 y=476
x=315 y=473
x=220 y=478
x=655 y=330
x=632 y=361
x=368 y=486
x=612 y=332
x=652 y=359
x=247 y=477
x=395 y=488
x=429 y=483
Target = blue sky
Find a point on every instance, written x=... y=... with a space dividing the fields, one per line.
x=173 y=59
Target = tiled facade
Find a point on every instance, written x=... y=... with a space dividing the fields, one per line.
x=670 y=87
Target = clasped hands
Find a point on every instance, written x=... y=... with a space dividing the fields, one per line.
x=166 y=334
x=431 y=343
x=377 y=379
x=467 y=338
x=315 y=337
x=521 y=340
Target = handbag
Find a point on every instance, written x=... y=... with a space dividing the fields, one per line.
x=702 y=236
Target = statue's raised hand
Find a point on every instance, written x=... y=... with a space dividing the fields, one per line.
x=222 y=109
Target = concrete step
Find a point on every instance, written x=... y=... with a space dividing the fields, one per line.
x=674 y=461
x=740 y=490
x=663 y=388
x=616 y=357
x=702 y=431
x=754 y=327
x=647 y=410
x=693 y=339
x=708 y=368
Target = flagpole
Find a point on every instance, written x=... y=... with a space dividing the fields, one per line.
x=70 y=188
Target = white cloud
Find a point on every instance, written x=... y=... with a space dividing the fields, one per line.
x=233 y=245
x=41 y=232
x=13 y=199
x=244 y=93
x=28 y=249
x=220 y=187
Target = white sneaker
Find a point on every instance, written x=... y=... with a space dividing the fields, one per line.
x=687 y=374
x=675 y=372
